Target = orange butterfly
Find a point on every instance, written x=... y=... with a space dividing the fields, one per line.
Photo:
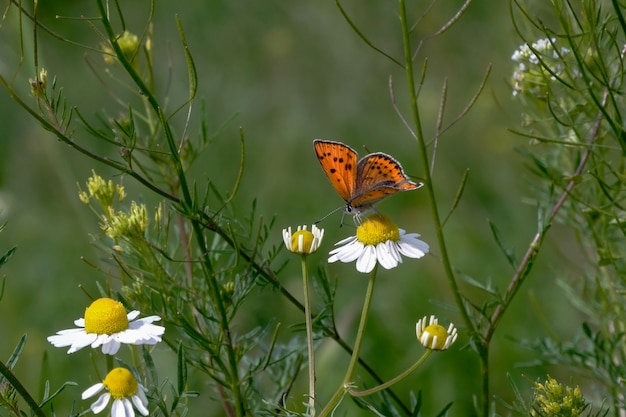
x=361 y=183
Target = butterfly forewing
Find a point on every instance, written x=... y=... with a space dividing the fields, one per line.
x=339 y=162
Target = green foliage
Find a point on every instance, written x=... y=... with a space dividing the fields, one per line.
x=190 y=249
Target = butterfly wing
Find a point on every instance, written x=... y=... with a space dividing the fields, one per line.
x=379 y=176
x=339 y=162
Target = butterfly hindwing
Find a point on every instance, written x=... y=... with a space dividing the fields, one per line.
x=378 y=176
x=339 y=162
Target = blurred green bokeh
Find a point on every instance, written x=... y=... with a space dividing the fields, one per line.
x=292 y=71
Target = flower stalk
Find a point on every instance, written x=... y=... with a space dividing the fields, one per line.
x=347 y=380
x=309 y=336
x=391 y=382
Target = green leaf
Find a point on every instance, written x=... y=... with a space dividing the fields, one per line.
x=182 y=369
x=508 y=252
x=5 y=258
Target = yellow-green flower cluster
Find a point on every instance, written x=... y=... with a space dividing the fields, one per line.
x=128 y=43
x=39 y=84
x=131 y=225
x=102 y=191
x=554 y=399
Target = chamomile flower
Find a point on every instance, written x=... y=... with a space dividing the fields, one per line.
x=106 y=324
x=121 y=385
x=303 y=242
x=433 y=335
x=380 y=240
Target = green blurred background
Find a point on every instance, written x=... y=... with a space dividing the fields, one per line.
x=294 y=71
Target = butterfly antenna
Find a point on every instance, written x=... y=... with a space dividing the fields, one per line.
x=329 y=214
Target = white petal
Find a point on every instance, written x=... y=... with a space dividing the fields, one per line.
x=80 y=322
x=346 y=240
x=135 y=337
x=77 y=338
x=394 y=251
x=100 y=339
x=146 y=322
x=100 y=403
x=349 y=252
x=132 y=315
x=412 y=247
x=81 y=341
x=139 y=404
x=111 y=346
x=119 y=409
x=92 y=390
x=385 y=258
x=287 y=237
x=367 y=260
x=141 y=392
x=128 y=407
x=65 y=337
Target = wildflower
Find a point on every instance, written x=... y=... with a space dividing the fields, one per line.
x=128 y=43
x=39 y=84
x=552 y=399
x=302 y=241
x=538 y=65
x=132 y=224
x=125 y=390
x=106 y=324
x=104 y=192
x=378 y=239
x=433 y=335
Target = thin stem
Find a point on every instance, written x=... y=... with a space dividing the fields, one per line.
x=309 y=336
x=393 y=381
x=430 y=189
x=535 y=244
x=354 y=359
x=445 y=259
x=361 y=332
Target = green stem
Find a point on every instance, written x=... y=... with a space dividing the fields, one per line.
x=445 y=259
x=354 y=359
x=393 y=381
x=430 y=189
x=309 y=336
x=232 y=373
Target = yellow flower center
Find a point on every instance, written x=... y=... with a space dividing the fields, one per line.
x=438 y=331
x=377 y=229
x=105 y=316
x=121 y=383
x=301 y=241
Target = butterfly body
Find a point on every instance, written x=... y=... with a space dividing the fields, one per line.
x=361 y=183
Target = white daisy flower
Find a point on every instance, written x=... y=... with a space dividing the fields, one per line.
x=302 y=241
x=378 y=239
x=121 y=385
x=106 y=324
x=433 y=335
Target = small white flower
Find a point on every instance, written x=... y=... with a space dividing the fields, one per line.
x=433 y=335
x=106 y=324
x=538 y=65
x=125 y=390
x=378 y=239
x=302 y=241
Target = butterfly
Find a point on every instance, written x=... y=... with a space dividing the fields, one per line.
x=361 y=183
